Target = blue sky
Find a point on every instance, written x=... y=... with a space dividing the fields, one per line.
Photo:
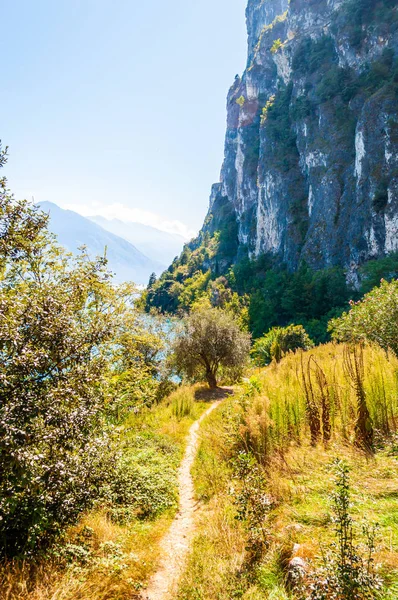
x=117 y=107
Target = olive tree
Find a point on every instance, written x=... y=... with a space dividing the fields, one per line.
x=210 y=339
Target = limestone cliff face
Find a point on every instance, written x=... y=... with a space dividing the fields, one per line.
x=311 y=150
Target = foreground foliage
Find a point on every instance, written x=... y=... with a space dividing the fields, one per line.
x=114 y=548
x=54 y=318
x=70 y=344
x=275 y=523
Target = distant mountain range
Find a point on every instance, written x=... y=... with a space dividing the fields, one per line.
x=124 y=259
x=158 y=245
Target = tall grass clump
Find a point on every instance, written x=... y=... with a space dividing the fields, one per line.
x=329 y=394
x=355 y=372
x=182 y=403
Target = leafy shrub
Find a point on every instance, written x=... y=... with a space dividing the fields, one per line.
x=144 y=483
x=279 y=341
x=135 y=376
x=373 y=319
x=346 y=573
x=252 y=503
x=261 y=351
x=69 y=342
x=54 y=324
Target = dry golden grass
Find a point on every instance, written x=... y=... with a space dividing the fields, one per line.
x=119 y=559
x=218 y=552
x=277 y=417
x=300 y=487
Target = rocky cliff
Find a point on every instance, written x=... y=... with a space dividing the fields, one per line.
x=311 y=150
x=305 y=216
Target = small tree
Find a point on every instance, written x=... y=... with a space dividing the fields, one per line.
x=152 y=281
x=373 y=319
x=210 y=339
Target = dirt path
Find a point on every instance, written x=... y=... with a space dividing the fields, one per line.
x=176 y=543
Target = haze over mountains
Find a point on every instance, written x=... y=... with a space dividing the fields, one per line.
x=154 y=243
x=124 y=259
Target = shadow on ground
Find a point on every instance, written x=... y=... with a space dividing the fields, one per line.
x=208 y=395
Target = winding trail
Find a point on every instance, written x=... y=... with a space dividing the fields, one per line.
x=176 y=543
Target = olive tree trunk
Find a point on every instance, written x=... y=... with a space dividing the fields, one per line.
x=211 y=378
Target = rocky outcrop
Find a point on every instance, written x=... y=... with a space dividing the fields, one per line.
x=311 y=150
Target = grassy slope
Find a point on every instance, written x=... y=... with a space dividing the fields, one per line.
x=107 y=560
x=299 y=480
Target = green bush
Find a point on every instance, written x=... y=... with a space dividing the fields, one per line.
x=54 y=324
x=68 y=337
x=261 y=351
x=144 y=483
x=373 y=319
x=278 y=341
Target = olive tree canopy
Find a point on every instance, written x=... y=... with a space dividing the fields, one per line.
x=210 y=339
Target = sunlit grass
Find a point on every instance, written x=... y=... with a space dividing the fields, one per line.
x=273 y=423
